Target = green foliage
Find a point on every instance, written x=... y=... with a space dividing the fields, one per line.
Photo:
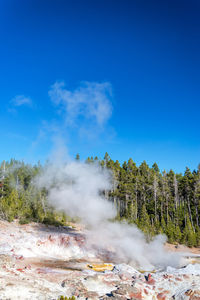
x=158 y=202
x=144 y=222
x=170 y=230
x=177 y=235
x=163 y=225
x=198 y=237
x=189 y=237
x=132 y=212
x=20 y=199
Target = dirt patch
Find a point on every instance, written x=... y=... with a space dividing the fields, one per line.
x=182 y=248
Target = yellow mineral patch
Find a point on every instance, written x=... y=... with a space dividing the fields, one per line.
x=144 y=271
x=101 y=267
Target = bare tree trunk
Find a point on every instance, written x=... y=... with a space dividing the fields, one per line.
x=126 y=202
x=196 y=210
x=175 y=192
x=167 y=200
x=114 y=188
x=106 y=194
x=163 y=193
x=144 y=196
x=3 y=177
x=196 y=203
x=115 y=202
x=118 y=207
x=190 y=215
x=136 y=198
x=184 y=213
x=155 y=186
x=43 y=205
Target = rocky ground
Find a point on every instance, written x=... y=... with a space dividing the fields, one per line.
x=44 y=262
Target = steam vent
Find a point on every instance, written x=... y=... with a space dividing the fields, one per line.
x=45 y=262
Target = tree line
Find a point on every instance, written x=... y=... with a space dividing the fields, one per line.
x=156 y=201
x=21 y=199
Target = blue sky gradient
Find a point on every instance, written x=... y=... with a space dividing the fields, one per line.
x=148 y=52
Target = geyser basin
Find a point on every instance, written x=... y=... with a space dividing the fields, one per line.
x=45 y=262
x=77 y=189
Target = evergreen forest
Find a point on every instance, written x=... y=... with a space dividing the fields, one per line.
x=156 y=201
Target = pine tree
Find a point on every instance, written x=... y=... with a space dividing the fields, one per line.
x=189 y=237
x=177 y=234
x=163 y=225
x=170 y=230
x=144 y=222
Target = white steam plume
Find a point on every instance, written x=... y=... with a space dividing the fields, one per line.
x=77 y=188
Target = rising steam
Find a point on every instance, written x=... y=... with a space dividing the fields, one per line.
x=76 y=188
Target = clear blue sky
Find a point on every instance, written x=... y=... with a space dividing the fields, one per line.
x=147 y=51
